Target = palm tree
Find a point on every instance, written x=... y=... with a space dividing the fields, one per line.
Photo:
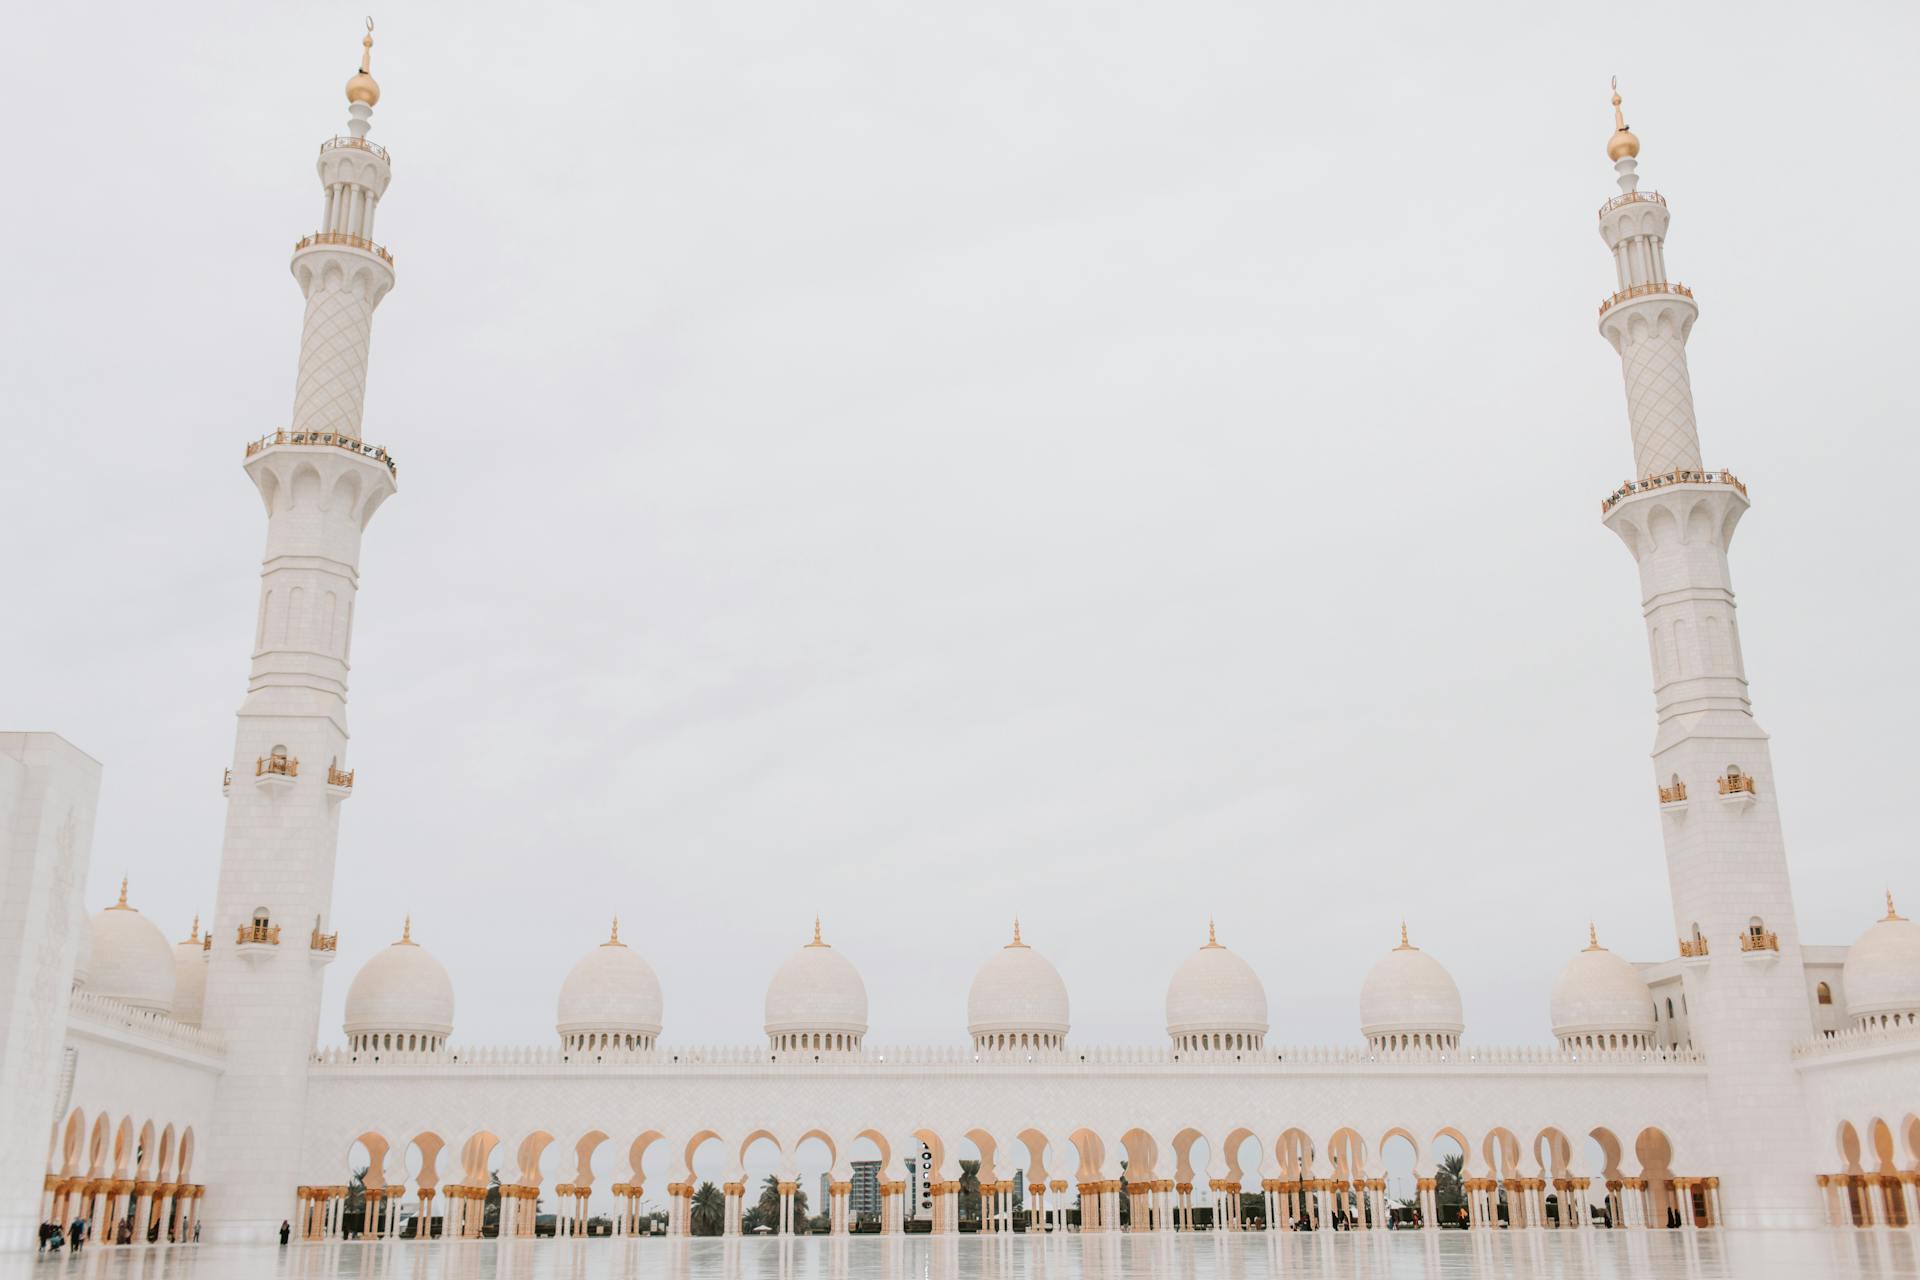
x=768 y=1207
x=1447 y=1193
x=709 y=1216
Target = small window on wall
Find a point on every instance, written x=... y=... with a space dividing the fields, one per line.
x=1823 y=993
x=260 y=919
x=1669 y=1007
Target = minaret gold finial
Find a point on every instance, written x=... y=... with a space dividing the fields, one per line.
x=406 y=932
x=1213 y=941
x=1593 y=938
x=817 y=941
x=1404 y=944
x=363 y=87
x=1623 y=145
x=122 y=904
x=1016 y=934
x=1891 y=913
x=614 y=941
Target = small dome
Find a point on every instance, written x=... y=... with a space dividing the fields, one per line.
x=1216 y=1001
x=1017 y=1000
x=1622 y=145
x=130 y=960
x=363 y=87
x=816 y=1000
x=1408 y=1000
x=1601 y=1001
x=1882 y=972
x=189 y=977
x=401 y=990
x=613 y=993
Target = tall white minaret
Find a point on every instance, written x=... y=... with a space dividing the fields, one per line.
x=321 y=484
x=1726 y=859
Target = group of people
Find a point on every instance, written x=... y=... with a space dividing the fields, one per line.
x=53 y=1237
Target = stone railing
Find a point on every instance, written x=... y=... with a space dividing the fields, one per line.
x=1072 y=1060
x=1643 y=290
x=358 y=242
x=1667 y=478
x=1633 y=197
x=1848 y=1039
x=102 y=1011
x=335 y=439
x=361 y=144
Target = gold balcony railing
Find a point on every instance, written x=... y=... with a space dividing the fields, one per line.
x=361 y=144
x=226 y=777
x=1625 y=198
x=1665 y=478
x=1642 y=290
x=352 y=242
x=1753 y=941
x=259 y=935
x=1673 y=794
x=338 y=440
x=325 y=941
x=1735 y=783
x=1693 y=948
x=339 y=777
x=283 y=766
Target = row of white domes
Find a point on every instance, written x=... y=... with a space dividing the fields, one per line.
x=818 y=1000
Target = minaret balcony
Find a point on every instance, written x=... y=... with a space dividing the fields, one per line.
x=1759 y=948
x=379 y=251
x=1693 y=951
x=1642 y=290
x=323 y=947
x=275 y=772
x=226 y=782
x=361 y=144
x=1664 y=479
x=1627 y=198
x=255 y=942
x=339 y=783
x=1737 y=790
x=1673 y=799
x=324 y=439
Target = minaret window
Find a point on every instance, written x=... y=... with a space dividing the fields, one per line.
x=1823 y=993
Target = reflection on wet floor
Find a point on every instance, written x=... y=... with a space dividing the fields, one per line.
x=1599 y=1255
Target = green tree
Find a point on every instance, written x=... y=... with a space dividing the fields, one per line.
x=709 y=1210
x=767 y=1210
x=970 y=1189
x=1448 y=1194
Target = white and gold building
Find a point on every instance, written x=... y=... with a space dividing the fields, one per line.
x=181 y=1087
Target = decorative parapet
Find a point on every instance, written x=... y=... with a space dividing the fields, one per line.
x=1092 y=1060
x=276 y=766
x=1694 y=948
x=324 y=941
x=1630 y=197
x=361 y=144
x=1666 y=478
x=258 y=935
x=1642 y=290
x=334 y=439
x=342 y=778
x=1675 y=794
x=1733 y=784
x=1857 y=1039
x=98 y=1010
x=1751 y=940
x=361 y=242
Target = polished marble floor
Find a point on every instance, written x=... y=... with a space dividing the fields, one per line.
x=1598 y=1255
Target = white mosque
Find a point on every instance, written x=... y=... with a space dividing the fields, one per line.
x=178 y=1090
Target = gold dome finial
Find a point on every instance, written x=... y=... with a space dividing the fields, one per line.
x=122 y=904
x=1623 y=145
x=363 y=87
x=1593 y=938
x=614 y=941
x=406 y=932
x=195 y=935
x=1213 y=942
x=1016 y=935
x=1404 y=944
x=1891 y=913
x=817 y=942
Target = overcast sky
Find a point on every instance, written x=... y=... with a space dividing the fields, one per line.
x=924 y=464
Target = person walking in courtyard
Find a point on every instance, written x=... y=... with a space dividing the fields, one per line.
x=76 y=1233
x=285 y=1229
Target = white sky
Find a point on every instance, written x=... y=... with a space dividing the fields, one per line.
x=928 y=463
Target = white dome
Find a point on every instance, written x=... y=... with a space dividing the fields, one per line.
x=1882 y=972
x=613 y=991
x=401 y=989
x=1017 y=992
x=189 y=978
x=817 y=990
x=1408 y=993
x=1600 y=994
x=1215 y=991
x=131 y=960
